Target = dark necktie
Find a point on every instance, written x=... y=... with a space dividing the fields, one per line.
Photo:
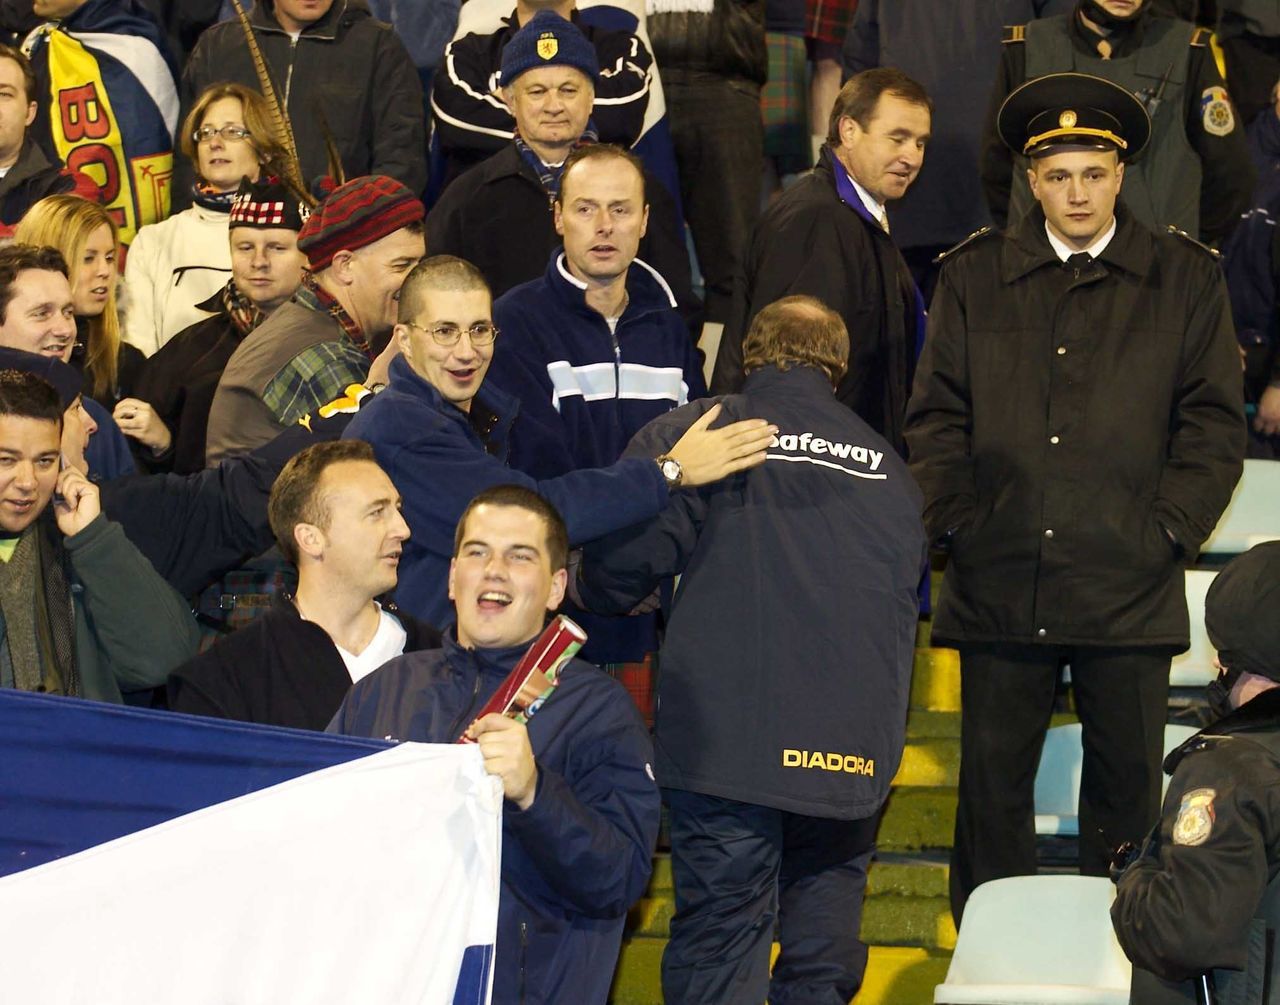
x=1078 y=262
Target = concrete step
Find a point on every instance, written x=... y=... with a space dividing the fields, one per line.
x=896 y=975
x=935 y=683
x=929 y=762
x=917 y=818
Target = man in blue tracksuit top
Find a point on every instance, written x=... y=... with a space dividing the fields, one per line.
x=581 y=809
x=594 y=348
x=785 y=673
x=443 y=435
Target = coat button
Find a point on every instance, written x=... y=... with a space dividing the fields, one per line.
x=1053 y=440
x=1041 y=632
x=1049 y=533
x=1062 y=350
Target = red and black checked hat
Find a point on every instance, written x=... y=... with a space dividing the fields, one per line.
x=356 y=214
x=266 y=205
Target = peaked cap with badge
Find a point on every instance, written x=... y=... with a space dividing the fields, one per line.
x=1073 y=110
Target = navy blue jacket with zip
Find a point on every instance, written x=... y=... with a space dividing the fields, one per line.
x=575 y=861
x=585 y=391
x=441 y=457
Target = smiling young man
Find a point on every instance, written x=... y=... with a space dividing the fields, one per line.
x=443 y=433
x=580 y=817
x=360 y=242
x=66 y=625
x=336 y=517
x=828 y=237
x=1077 y=426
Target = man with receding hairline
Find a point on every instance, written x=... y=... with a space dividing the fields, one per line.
x=828 y=237
x=594 y=348
x=336 y=517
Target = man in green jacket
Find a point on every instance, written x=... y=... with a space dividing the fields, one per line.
x=82 y=612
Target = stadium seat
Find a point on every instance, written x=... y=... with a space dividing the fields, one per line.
x=1253 y=515
x=1194 y=668
x=1037 y=939
x=1057 y=792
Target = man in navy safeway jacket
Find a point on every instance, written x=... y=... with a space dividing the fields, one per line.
x=785 y=673
x=594 y=348
x=443 y=436
x=580 y=817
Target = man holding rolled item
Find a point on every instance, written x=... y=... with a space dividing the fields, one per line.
x=581 y=809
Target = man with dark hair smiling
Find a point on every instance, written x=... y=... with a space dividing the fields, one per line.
x=67 y=626
x=581 y=813
x=1077 y=426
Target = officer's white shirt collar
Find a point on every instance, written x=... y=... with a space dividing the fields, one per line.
x=877 y=210
x=1095 y=249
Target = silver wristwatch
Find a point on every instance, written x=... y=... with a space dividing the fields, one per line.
x=671 y=471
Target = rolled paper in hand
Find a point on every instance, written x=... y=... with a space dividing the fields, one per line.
x=535 y=677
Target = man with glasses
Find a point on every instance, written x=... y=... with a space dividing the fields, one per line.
x=360 y=242
x=444 y=436
x=595 y=348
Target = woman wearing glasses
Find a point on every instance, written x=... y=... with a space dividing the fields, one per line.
x=182 y=261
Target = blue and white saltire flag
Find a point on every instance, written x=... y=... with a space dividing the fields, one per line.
x=150 y=857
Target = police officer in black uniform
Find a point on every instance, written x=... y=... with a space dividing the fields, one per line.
x=1201 y=902
x=1077 y=426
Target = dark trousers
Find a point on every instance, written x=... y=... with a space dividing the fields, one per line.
x=1006 y=700
x=719 y=144
x=738 y=868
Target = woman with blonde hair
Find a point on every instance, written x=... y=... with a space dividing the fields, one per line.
x=176 y=265
x=86 y=236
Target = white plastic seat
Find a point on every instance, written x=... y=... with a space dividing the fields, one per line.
x=1057 y=791
x=1253 y=515
x=1195 y=668
x=1037 y=939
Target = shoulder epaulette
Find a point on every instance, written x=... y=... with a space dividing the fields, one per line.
x=973 y=238
x=1014 y=33
x=1213 y=253
x=1200 y=37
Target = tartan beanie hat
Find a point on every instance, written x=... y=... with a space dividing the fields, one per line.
x=548 y=40
x=266 y=205
x=355 y=215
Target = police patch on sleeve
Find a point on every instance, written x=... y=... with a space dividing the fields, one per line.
x=1215 y=111
x=1195 y=818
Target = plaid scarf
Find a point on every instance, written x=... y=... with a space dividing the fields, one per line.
x=549 y=174
x=311 y=295
x=244 y=315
